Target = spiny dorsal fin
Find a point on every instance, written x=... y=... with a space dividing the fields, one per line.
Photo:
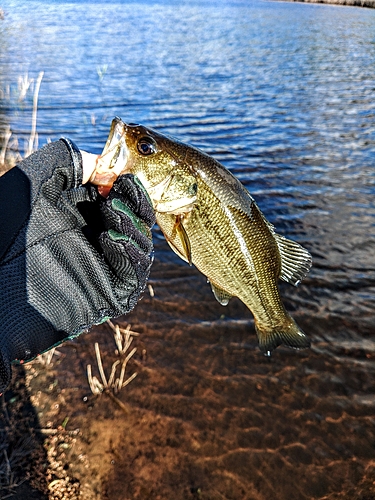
x=295 y=260
x=220 y=295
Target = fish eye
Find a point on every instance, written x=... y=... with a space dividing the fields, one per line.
x=146 y=146
x=193 y=189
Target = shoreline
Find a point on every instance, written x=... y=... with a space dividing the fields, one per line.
x=370 y=4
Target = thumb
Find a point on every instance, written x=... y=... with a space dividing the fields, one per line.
x=89 y=164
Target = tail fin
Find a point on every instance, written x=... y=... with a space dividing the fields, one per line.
x=288 y=334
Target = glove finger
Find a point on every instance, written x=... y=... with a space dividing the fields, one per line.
x=122 y=224
x=129 y=189
x=131 y=266
x=127 y=213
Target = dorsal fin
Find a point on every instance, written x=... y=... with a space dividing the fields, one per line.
x=295 y=260
x=220 y=295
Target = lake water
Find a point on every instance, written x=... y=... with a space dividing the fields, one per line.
x=282 y=94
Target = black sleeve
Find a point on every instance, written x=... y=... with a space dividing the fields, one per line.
x=55 y=167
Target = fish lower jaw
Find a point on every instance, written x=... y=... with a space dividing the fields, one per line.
x=113 y=160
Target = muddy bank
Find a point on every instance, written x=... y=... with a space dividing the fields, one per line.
x=207 y=417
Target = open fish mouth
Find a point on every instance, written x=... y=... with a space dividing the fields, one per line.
x=113 y=159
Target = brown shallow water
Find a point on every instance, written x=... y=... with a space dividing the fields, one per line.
x=207 y=416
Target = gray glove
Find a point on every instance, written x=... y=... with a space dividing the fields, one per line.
x=68 y=257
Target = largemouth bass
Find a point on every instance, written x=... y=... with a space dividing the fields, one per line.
x=210 y=220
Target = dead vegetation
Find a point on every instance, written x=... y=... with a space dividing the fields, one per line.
x=47 y=458
x=11 y=151
x=115 y=383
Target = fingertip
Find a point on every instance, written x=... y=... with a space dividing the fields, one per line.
x=89 y=163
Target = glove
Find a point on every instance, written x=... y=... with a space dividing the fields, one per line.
x=68 y=257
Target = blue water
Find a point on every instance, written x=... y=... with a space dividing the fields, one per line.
x=281 y=93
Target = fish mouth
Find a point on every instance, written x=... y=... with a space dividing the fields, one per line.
x=113 y=160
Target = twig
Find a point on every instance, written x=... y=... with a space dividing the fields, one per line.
x=8 y=468
x=98 y=387
x=113 y=373
x=120 y=380
x=7 y=136
x=95 y=386
x=100 y=366
x=123 y=337
x=45 y=358
x=52 y=432
x=24 y=83
x=33 y=135
x=117 y=401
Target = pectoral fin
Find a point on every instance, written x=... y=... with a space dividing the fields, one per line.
x=184 y=238
x=220 y=295
x=180 y=232
x=295 y=260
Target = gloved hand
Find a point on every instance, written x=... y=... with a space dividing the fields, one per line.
x=68 y=257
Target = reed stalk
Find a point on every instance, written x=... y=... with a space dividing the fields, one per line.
x=3 y=151
x=9 y=145
x=33 y=139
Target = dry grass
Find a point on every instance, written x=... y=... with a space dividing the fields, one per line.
x=113 y=384
x=12 y=459
x=123 y=337
x=10 y=150
x=45 y=359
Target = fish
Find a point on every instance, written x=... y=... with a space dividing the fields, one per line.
x=211 y=221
